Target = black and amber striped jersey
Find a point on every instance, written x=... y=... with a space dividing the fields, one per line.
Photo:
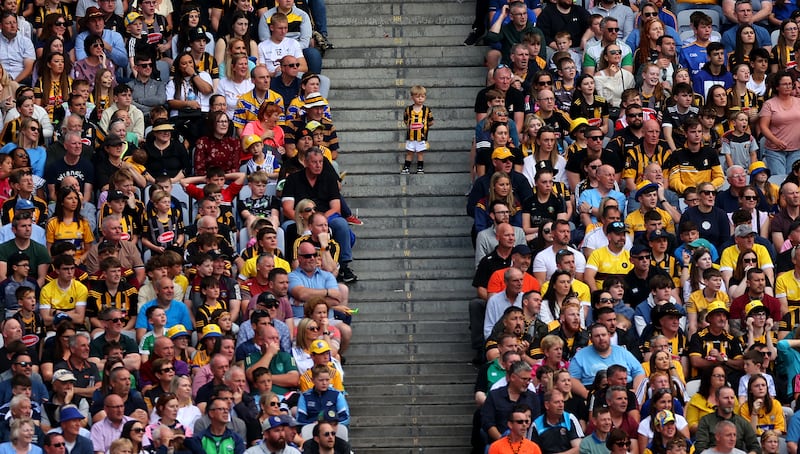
x=418 y=123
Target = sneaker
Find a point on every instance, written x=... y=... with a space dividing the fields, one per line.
x=472 y=38
x=347 y=275
x=420 y=171
x=405 y=171
x=354 y=220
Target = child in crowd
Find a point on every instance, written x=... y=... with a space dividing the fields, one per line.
x=323 y=397
x=699 y=300
x=418 y=118
x=162 y=228
x=739 y=147
x=259 y=204
x=674 y=116
x=263 y=160
x=28 y=317
x=564 y=44
x=711 y=137
x=753 y=365
x=212 y=307
x=157 y=317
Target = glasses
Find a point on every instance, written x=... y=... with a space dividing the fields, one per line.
x=613 y=29
x=547 y=230
x=97 y=44
x=308 y=209
x=274 y=404
x=58 y=445
x=292 y=65
x=544 y=82
x=642 y=257
x=717 y=376
x=650 y=14
x=328 y=434
x=750 y=260
x=522 y=421
x=145 y=65
x=60 y=24
x=313 y=329
x=34 y=129
x=765 y=353
x=750 y=198
x=501 y=114
x=606 y=300
x=635 y=115
x=595 y=138
x=26 y=265
x=739 y=175
x=706 y=192
x=626 y=444
x=307 y=256
x=24 y=364
x=138 y=430
x=116 y=320
x=167 y=369
x=595 y=167
x=615 y=52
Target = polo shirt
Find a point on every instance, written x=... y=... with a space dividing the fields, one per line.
x=319 y=279
x=281 y=363
x=99 y=343
x=788 y=286
x=497 y=408
x=556 y=437
x=486 y=267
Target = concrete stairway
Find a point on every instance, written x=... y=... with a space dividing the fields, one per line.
x=408 y=373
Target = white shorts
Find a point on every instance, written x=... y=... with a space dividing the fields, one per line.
x=416 y=145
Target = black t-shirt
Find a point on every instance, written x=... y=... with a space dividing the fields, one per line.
x=637 y=290
x=575 y=162
x=325 y=190
x=515 y=100
x=487 y=266
x=540 y=211
x=82 y=171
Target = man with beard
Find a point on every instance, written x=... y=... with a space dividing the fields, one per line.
x=631 y=135
x=565 y=15
x=575 y=338
x=544 y=264
x=745 y=438
x=598 y=356
x=512 y=323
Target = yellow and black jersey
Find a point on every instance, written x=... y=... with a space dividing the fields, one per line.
x=39 y=211
x=702 y=342
x=736 y=102
x=636 y=160
x=677 y=344
x=10 y=131
x=132 y=219
x=594 y=113
x=418 y=123
x=41 y=12
x=126 y=299
x=207 y=315
x=790 y=320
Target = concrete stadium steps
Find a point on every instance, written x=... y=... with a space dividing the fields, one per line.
x=408 y=373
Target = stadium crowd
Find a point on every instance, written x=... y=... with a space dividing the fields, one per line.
x=175 y=251
x=637 y=227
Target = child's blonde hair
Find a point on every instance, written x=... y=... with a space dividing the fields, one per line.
x=735 y=114
x=418 y=90
x=158 y=196
x=257 y=177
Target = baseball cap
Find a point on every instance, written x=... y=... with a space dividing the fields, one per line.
x=265 y=298
x=743 y=230
x=250 y=140
x=63 y=375
x=131 y=17
x=616 y=227
x=664 y=417
x=638 y=249
x=501 y=153
x=23 y=204
x=272 y=422
x=319 y=346
x=645 y=187
x=755 y=305
x=116 y=195
x=657 y=234
x=522 y=249
x=112 y=140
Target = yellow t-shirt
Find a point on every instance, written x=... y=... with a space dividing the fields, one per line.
x=698 y=303
x=773 y=420
x=249 y=268
x=608 y=264
x=78 y=233
x=730 y=255
x=53 y=297
x=635 y=221
x=583 y=291
x=787 y=286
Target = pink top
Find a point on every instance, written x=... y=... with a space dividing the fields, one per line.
x=254 y=127
x=783 y=123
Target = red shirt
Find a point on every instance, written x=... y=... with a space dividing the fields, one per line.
x=770 y=302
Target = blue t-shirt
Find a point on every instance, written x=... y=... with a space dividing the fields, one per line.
x=177 y=314
x=587 y=362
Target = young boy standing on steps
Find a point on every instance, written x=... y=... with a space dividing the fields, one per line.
x=418 y=119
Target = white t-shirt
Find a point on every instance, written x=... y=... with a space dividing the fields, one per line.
x=545 y=261
x=645 y=430
x=270 y=53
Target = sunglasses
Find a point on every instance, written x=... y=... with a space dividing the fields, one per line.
x=313 y=328
x=635 y=115
x=594 y=167
x=522 y=421
x=138 y=430
x=145 y=65
x=642 y=257
x=167 y=369
x=328 y=434
x=615 y=52
x=546 y=82
x=626 y=444
x=307 y=256
x=650 y=14
x=24 y=364
x=58 y=445
x=594 y=138
x=546 y=230
x=292 y=65
x=705 y=192
x=274 y=404
x=97 y=44
x=308 y=210
x=753 y=260
x=606 y=300
x=271 y=305
x=60 y=24
x=613 y=29
x=116 y=320
x=34 y=129
x=750 y=198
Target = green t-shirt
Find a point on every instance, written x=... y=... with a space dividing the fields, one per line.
x=37 y=253
x=218 y=445
x=280 y=364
